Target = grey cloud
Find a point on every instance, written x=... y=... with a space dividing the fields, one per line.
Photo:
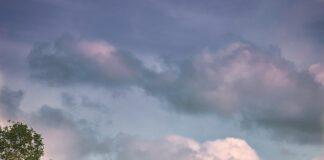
x=72 y=102
x=68 y=100
x=86 y=102
x=131 y=148
x=260 y=85
x=83 y=138
x=70 y=61
x=10 y=101
x=320 y=156
x=315 y=30
x=241 y=79
x=265 y=91
x=52 y=117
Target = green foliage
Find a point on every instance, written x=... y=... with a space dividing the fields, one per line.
x=19 y=142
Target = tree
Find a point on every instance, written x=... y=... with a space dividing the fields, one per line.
x=19 y=142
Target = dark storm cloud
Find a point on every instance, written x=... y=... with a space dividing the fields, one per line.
x=10 y=101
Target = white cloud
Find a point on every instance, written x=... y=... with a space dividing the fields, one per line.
x=181 y=148
x=227 y=149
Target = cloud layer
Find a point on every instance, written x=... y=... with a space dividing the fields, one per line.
x=258 y=85
x=169 y=66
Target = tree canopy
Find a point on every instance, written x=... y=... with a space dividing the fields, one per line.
x=20 y=142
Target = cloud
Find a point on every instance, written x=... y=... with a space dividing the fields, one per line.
x=82 y=141
x=2 y=120
x=212 y=80
x=70 y=61
x=71 y=101
x=181 y=148
x=1 y=79
x=79 y=137
x=68 y=100
x=91 y=104
x=10 y=101
x=319 y=157
x=317 y=70
x=52 y=117
x=256 y=84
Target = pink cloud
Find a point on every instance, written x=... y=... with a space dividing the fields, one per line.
x=107 y=57
x=317 y=70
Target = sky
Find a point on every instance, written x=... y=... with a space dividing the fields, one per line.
x=166 y=79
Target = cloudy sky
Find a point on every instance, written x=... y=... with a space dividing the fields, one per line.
x=166 y=79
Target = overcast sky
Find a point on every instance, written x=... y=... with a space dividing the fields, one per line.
x=166 y=79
